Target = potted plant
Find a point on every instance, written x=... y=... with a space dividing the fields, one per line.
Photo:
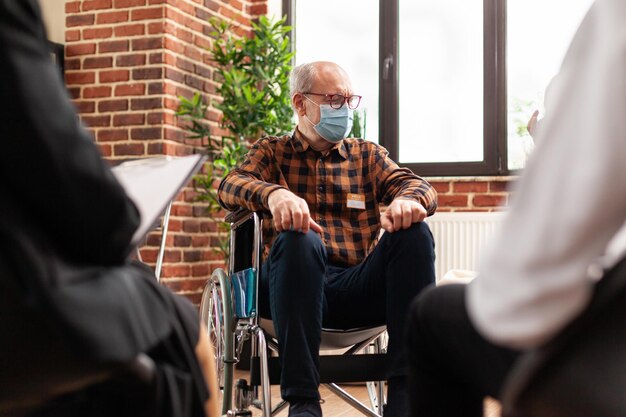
x=254 y=71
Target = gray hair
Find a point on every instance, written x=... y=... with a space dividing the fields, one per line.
x=301 y=78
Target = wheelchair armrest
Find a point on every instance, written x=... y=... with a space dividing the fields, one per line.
x=239 y=214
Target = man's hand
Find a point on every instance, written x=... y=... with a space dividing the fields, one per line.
x=533 y=124
x=401 y=214
x=290 y=212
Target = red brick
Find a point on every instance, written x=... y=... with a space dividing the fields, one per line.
x=145 y=14
x=191 y=226
x=129 y=119
x=156 y=58
x=113 y=76
x=489 y=200
x=194 y=82
x=85 y=106
x=98 y=62
x=155 y=148
x=200 y=241
x=147 y=73
x=236 y=4
x=155 y=118
x=151 y=2
x=134 y=60
x=452 y=201
x=500 y=186
x=97 y=92
x=112 y=105
x=200 y=270
x=155 y=28
x=145 y=103
x=212 y=5
x=96 y=5
x=79 y=20
x=146 y=133
x=155 y=88
x=203 y=71
x=174 y=75
x=72 y=78
x=120 y=4
x=257 y=9
x=470 y=187
x=185 y=64
x=105 y=150
x=98 y=33
x=96 y=121
x=440 y=186
x=80 y=49
x=112 y=17
x=72 y=7
x=171 y=256
x=147 y=43
x=182 y=241
x=130 y=90
x=193 y=256
x=72 y=35
x=74 y=92
x=130 y=30
x=129 y=149
x=72 y=64
x=174 y=46
x=184 y=210
x=177 y=270
x=112 y=135
x=113 y=46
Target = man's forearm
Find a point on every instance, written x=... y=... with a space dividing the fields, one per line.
x=240 y=189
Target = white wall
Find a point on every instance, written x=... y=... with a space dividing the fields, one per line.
x=54 y=18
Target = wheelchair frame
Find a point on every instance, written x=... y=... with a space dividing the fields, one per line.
x=228 y=334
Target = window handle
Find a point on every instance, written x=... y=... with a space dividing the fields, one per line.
x=387 y=64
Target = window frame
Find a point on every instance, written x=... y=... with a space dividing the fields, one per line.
x=495 y=153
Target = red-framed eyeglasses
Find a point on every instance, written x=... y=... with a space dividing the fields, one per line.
x=337 y=101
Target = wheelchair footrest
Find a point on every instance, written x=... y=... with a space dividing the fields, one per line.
x=333 y=368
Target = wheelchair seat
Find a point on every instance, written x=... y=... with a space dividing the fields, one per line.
x=226 y=313
x=335 y=339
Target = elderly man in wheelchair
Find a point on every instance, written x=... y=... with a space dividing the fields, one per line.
x=325 y=263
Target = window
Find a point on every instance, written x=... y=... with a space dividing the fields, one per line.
x=349 y=41
x=455 y=80
x=538 y=33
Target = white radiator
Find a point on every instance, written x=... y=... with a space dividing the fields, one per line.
x=460 y=238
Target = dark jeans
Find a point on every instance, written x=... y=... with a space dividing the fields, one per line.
x=301 y=292
x=452 y=367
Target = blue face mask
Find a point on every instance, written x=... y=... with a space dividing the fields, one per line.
x=334 y=124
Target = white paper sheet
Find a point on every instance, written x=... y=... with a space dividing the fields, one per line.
x=152 y=183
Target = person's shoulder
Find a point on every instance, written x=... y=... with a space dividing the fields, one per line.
x=363 y=146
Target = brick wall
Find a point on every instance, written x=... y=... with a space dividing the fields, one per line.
x=472 y=193
x=127 y=61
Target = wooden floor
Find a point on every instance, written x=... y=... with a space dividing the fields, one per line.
x=333 y=406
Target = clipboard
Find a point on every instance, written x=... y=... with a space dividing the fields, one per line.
x=153 y=182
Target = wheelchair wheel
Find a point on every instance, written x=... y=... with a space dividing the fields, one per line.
x=216 y=315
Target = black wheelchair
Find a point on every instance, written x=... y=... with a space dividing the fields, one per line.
x=228 y=310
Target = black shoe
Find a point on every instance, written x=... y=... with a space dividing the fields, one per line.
x=397 y=398
x=309 y=408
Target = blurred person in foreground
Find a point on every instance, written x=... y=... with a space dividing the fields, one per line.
x=323 y=266
x=72 y=307
x=540 y=274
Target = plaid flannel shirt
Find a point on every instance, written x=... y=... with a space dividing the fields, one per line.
x=353 y=169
